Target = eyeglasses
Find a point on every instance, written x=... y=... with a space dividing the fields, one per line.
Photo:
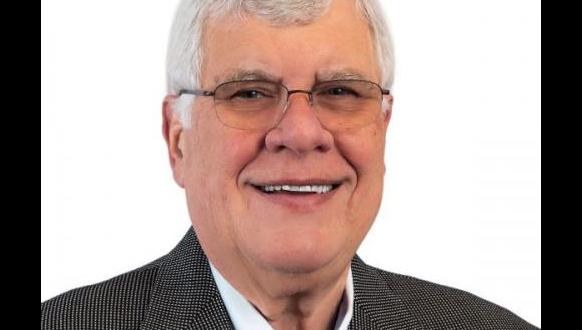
x=258 y=104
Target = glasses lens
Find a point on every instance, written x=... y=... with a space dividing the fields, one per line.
x=248 y=104
x=344 y=104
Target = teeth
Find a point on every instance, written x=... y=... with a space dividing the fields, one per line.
x=320 y=189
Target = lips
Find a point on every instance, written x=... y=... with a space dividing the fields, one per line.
x=297 y=195
x=305 y=186
x=318 y=188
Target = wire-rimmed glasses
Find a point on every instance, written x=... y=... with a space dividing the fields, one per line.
x=259 y=104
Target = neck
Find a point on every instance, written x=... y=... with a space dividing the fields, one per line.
x=290 y=300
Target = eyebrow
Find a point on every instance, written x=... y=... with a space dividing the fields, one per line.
x=258 y=74
x=346 y=74
x=246 y=74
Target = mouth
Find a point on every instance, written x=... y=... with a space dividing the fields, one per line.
x=297 y=189
x=304 y=196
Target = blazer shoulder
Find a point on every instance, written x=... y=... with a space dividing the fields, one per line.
x=436 y=306
x=103 y=303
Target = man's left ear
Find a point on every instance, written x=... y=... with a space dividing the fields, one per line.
x=387 y=102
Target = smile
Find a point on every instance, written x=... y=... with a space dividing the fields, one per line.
x=305 y=195
x=298 y=189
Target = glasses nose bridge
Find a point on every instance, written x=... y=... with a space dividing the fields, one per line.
x=295 y=91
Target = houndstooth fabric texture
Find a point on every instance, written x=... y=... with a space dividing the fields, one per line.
x=178 y=291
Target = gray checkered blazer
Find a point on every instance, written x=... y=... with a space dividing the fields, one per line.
x=178 y=291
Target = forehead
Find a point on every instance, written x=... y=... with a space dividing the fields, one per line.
x=337 y=44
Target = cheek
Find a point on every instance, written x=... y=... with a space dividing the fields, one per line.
x=218 y=153
x=364 y=150
x=238 y=149
x=215 y=157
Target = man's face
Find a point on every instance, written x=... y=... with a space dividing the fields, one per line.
x=219 y=166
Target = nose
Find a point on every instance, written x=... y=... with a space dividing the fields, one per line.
x=299 y=130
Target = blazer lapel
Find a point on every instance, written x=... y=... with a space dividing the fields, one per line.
x=376 y=306
x=184 y=295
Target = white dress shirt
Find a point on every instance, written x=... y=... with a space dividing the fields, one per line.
x=244 y=316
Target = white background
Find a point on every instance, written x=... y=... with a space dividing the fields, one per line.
x=462 y=191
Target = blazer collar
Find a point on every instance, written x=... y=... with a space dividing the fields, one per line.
x=185 y=296
x=376 y=305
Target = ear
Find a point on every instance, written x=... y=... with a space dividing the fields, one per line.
x=172 y=131
x=387 y=109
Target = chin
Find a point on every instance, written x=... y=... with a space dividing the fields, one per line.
x=297 y=264
x=297 y=254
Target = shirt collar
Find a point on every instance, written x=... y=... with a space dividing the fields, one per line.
x=243 y=314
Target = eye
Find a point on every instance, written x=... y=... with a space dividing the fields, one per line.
x=340 y=91
x=248 y=94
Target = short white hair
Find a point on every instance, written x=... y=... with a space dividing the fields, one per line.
x=185 y=52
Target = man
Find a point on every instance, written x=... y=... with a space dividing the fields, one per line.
x=275 y=122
